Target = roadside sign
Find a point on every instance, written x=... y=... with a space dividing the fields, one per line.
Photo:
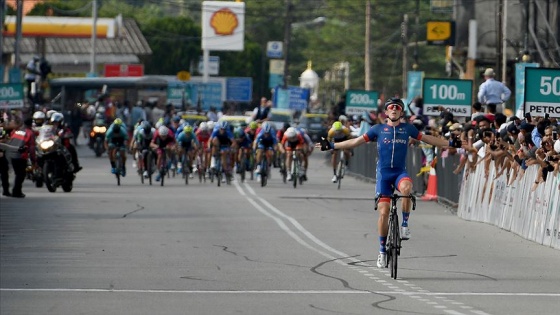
x=274 y=49
x=11 y=95
x=239 y=89
x=123 y=70
x=542 y=91
x=454 y=95
x=177 y=93
x=295 y=98
x=440 y=33
x=358 y=101
x=213 y=65
x=520 y=85
x=183 y=75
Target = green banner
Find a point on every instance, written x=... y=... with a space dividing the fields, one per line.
x=11 y=95
x=542 y=91
x=358 y=101
x=452 y=94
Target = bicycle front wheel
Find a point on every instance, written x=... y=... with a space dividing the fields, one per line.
x=394 y=230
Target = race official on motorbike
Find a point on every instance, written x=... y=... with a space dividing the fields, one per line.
x=23 y=137
x=116 y=138
x=64 y=133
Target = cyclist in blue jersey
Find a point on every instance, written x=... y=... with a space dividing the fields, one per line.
x=265 y=142
x=392 y=145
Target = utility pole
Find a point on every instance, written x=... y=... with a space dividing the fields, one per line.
x=416 y=32
x=367 y=52
x=19 y=17
x=92 y=65
x=499 y=37
x=404 y=31
x=287 y=35
x=504 y=42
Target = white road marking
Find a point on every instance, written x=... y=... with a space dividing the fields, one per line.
x=412 y=294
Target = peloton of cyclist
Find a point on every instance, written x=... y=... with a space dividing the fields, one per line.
x=265 y=141
x=142 y=138
x=243 y=145
x=338 y=133
x=222 y=140
x=292 y=140
x=116 y=139
x=392 y=145
x=203 y=136
x=162 y=142
x=187 y=142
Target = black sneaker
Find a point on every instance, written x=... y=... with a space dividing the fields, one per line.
x=19 y=195
x=7 y=194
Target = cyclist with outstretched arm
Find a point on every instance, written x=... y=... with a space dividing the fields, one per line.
x=392 y=145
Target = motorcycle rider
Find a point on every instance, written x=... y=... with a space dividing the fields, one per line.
x=64 y=133
x=39 y=118
x=116 y=138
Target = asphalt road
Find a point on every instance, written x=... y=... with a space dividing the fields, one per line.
x=244 y=249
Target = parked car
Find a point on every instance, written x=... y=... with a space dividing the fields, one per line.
x=236 y=120
x=279 y=117
x=316 y=125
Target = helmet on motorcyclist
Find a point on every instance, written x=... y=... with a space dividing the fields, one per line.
x=163 y=131
x=39 y=118
x=50 y=113
x=337 y=126
x=291 y=133
x=57 y=117
x=188 y=129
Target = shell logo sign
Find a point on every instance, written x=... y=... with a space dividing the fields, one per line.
x=223 y=25
x=224 y=22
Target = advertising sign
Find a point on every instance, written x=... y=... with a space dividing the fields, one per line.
x=209 y=94
x=359 y=101
x=520 y=84
x=414 y=82
x=239 y=89
x=274 y=49
x=213 y=65
x=294 y=98
x=223 y=25
x=542 y=92
x=11 y=95
x=452 y=94
x=122 y=70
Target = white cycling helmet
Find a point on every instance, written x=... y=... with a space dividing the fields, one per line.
x=291 y=132
x=163 y=131
x=210 y=125
x=343 y=118
x=203 y=126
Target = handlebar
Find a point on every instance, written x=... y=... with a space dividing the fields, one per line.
x=396 y=197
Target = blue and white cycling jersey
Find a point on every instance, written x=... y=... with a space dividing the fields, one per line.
x=392 y=144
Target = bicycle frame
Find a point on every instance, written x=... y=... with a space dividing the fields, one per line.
x=393 y=244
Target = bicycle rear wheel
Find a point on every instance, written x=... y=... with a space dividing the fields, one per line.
x=118 y=167
x=264 y=172
x=394 y=230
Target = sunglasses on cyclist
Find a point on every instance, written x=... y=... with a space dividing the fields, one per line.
x=394 y=107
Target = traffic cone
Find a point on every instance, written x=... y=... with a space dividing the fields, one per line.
x=431 y=192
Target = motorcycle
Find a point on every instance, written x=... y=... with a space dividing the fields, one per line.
x=97 y=138
x=55 y=160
